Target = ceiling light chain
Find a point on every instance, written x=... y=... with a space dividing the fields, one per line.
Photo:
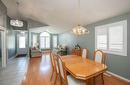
x=80 y=30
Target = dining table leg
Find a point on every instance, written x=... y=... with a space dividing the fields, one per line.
x=94 y=81
x=88 y=82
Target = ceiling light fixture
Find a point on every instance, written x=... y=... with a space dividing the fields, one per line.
x=16 y=22
x=80 y=30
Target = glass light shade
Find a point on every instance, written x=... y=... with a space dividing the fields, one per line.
x=16 y=23
x=79 y=30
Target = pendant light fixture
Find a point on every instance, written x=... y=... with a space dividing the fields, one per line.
x=16 y=22
x=79 y=30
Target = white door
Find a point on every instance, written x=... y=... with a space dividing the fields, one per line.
x=0 y=49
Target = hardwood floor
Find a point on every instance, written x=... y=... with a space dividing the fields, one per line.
x=39 y=72
x=14 y=72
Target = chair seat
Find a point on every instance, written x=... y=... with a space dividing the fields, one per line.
x=74 y=81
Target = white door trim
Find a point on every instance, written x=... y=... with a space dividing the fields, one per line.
x=3 y=38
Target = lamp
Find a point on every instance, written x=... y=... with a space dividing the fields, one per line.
x=80 y=30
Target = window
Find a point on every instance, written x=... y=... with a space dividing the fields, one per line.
x=34 y=42
x=55 y=42
x=112 y=38
x=44 y=40
x=22 y=42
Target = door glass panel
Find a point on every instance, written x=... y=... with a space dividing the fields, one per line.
x=47 y=42
x=42 y=42
x=22 y=42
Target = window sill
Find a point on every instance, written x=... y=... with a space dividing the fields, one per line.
x=115 y=53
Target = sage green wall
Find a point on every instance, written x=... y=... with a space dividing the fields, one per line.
x=10 y=35
x=11 y=40
x=3 y=14
x=119 y=65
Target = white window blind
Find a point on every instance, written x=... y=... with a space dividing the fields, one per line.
x=116 y=38
x=112 y=38
x=102 y=38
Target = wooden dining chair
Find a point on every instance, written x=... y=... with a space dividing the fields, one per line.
x=67 y=79
x=99 y=56
x=55 y=68
x=52 y=64
x=85 y=53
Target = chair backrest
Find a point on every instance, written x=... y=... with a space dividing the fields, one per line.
x=100 y=56
x=30 y=53
x=60 y=65
x=52 y=59
x=54 y=62
x=85 y=53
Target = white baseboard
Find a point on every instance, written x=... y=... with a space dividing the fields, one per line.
x=127 y=80
x=12 y=57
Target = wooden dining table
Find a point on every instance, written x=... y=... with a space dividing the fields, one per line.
x=81 y=68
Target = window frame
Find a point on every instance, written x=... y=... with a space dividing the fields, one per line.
x=53 y=40
x=36 y=36
x=107 y=26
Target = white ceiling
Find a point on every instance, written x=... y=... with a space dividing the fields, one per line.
x=63 y=14
x=49 y=29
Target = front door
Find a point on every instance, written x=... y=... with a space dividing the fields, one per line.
x=22 y=43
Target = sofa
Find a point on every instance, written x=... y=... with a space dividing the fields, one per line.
x=35 y=53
